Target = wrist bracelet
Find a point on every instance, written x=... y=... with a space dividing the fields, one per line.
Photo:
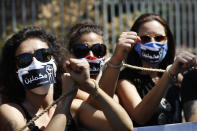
x=114 y=66
x=95 y=88
x=174 y=78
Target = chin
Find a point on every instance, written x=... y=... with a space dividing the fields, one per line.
x=42 y=90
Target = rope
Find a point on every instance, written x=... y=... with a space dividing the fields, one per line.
x=142 y=68
x=64 y=95
x=47 y=109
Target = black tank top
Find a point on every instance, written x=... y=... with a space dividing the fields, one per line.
x=169 y=109
x=70 y=125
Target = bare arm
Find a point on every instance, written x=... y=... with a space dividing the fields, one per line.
x=115 y=114
x=89 y=117
x=135 y=106
x=109 y=77
x=59 y=120
x=11 y=118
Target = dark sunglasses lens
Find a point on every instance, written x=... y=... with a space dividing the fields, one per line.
x=99 y=50
x=23 y=60
x=80 y=50
x=43 y=55
x=145 y=39
x=160 y=38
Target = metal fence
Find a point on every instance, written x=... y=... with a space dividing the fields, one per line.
x=116 y=16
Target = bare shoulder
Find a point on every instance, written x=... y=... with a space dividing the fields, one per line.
x=11 y=117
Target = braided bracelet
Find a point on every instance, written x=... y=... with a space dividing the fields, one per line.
x=174 y=78
x=114 y=66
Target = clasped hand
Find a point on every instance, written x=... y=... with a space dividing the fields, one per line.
x=79 y=73
x=126 y=42
x=183 y=62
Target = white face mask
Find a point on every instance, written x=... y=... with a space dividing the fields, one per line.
x=38 y=74
x=42 y=90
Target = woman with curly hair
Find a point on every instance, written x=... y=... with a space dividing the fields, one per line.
x=31 y=67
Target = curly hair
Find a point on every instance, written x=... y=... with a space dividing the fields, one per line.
x=13 y=90
x=79 y=29
x=133 y=57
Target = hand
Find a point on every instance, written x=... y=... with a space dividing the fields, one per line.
x=68 y=85
x=183 y=62
x=79 y=70
x=125 y=43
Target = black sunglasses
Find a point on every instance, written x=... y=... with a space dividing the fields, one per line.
x=158 y=38
x=25 y=59
x=82 y=50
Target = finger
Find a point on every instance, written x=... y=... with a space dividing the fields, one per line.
x=188 y=58
x=128 y=36
x=138 y=39
x=128 y=46
x=68 y=68
x=181 y=60
x=79 y=62
x=65 y=65
x=73 y=74
x=192 y=59
x=131 y=33
x=184 y=53
x=76 y=65
x=130 y=41
x=195 y=61
x=132 y=37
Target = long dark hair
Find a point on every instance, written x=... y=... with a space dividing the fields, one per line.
x=133 y=57
x=13 y=90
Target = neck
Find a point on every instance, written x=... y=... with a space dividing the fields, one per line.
x=39 y=101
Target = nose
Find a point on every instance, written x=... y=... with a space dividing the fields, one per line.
x=152 y=39
x=33 y=58
x=90 y=53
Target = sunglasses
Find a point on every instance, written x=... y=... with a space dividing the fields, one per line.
x=25 y=59
x=82 y=50
x=158 y=38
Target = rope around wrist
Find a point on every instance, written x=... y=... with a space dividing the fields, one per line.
x=174 y=78
x=114 y=66
x=95 y=89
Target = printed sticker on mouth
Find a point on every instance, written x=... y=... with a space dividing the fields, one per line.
x=151 y=54
x=95 y=66
x=39 y=77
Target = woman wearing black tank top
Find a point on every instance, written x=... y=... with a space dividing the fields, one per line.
x=152 y=98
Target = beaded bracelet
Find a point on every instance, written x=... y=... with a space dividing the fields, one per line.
x=114 y=66
x=174 y=78
x=95 y=89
